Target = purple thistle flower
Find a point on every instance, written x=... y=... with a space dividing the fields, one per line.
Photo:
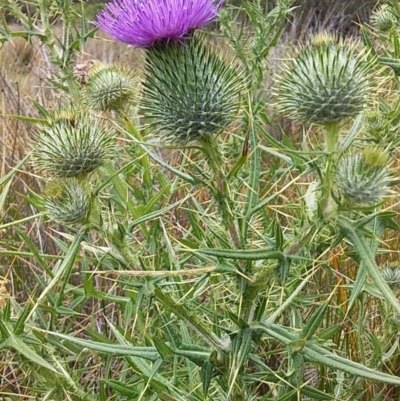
x=142 y=23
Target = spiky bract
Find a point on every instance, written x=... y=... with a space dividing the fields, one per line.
x=72 y=145
x=70 y=205
x=327 y=81
x=110 y=87
x=189 y=92
x=364 y=178
x=143 y=23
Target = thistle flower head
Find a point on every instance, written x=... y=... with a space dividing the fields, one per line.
x=364 y=178
x=383 y=19
x=391 y=274
x=110 y=87
x=376 y=123
x=68 y=202
x=142 y=23
x=327 y=81
x=72 y=145
x=189 y=92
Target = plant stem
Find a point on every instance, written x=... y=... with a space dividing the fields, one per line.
x=331 y=135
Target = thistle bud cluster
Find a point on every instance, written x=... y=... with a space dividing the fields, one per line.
x=68 y=148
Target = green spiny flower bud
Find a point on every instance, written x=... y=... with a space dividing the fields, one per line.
x=377 y=129
x=72 y=145
x=391 y=274
x=327 y=81
x=68 y=202
x=383 y=19
x=375 y=121
x=189 y=92
x=110 y=87
x=364 y=178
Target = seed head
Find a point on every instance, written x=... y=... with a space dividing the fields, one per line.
x=364 y=178
x=110 y=87
x=69 y=203
x=189 y=92
x=327 y=81
x=143 y=23
x=72 y=145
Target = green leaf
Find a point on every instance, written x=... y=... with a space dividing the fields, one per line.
x=253 y=182
x=317 y=354
x=122 y=388
x=156 y=214
x=163 y=349
x=189 y=317
x=198 y=355
x=18 y=345
x=368 y=260
x=313 y=323
x=149 y=353
x=64 y=268
x=20 y=323
x=243 y=254
x=206 y=373
x=329 y=332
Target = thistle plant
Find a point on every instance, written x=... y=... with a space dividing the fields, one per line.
x=110 y=87
x=363 y=178
x=72 y=145
x=175 y=278
x=68 y=202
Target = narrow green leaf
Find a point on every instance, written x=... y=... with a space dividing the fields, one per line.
x=313 y=323
x=149 y=353
x=329 y=332
x=65 y=267
x=31 y=120
x=377 y=227
x=163 y=349
x=352 y=133
x=253 y=183
x=155 y=214
x=206 y=373
x=18 y=345
x=122 y=388
x=367 y=257
x=182 y=312
x=11 y=173
x=20 y=323
x=317 y=354
x=243 y=254
x=4 y=194
x=199 y=357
